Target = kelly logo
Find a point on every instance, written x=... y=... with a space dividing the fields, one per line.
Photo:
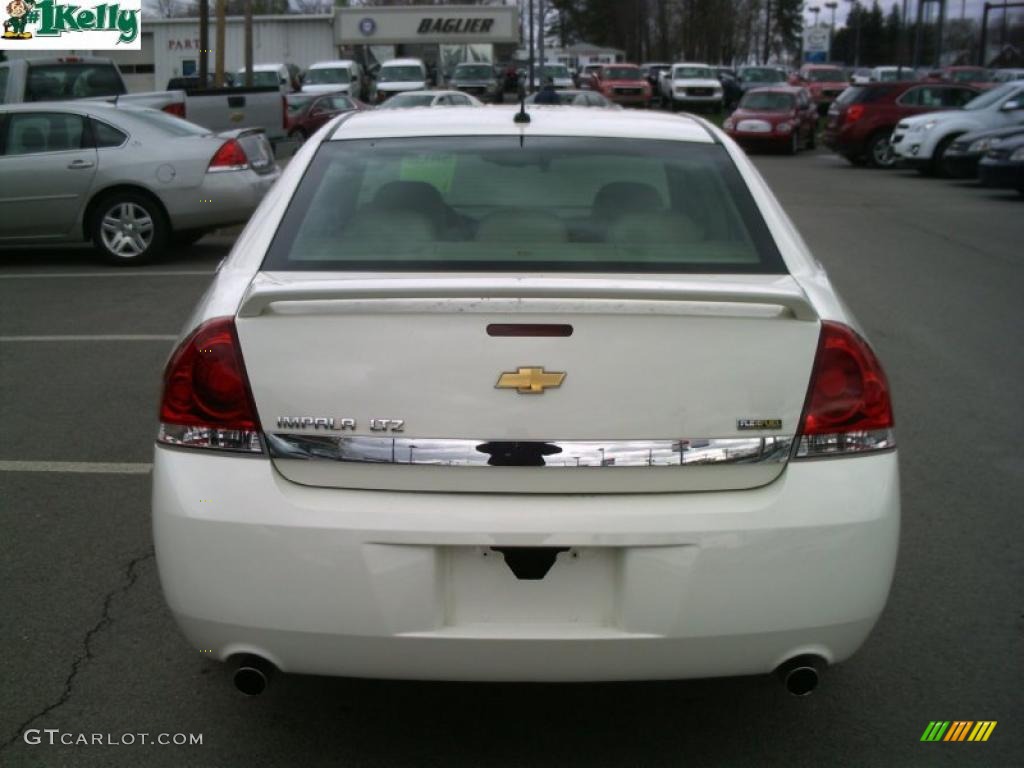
x=958 y=730
x=53 y=25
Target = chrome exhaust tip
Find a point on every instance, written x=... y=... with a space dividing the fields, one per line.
x=800 y=674
x=251 y=674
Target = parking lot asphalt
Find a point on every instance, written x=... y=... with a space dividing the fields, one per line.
x=934 y=271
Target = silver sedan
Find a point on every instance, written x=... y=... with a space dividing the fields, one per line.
x=128 y=179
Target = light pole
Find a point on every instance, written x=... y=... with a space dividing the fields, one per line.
x=854 y=6
x=832 y=5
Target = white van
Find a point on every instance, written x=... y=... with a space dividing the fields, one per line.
x=330 y=76
x=268 y=75
x=400 y=75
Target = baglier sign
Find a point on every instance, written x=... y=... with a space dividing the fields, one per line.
x=418 y=24
x=455 y=26
x=87 y=25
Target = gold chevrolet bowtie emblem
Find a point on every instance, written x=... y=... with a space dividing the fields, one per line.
x=530 y=381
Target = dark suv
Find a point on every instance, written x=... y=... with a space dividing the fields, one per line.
x=862 y=118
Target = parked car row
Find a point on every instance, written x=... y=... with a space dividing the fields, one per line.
x=939 y=129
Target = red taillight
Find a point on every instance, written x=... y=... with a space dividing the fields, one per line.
x=206 y=400
x=230 y=157
x=848 y=409
x=854 y=112
x=177 y=109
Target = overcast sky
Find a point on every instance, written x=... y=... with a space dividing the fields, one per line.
x=954 y=9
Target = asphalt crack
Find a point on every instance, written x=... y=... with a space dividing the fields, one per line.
x=130 y=575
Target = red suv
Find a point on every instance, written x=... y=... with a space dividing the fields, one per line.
x=623 y=84
x=824 y=81
x=862 y=118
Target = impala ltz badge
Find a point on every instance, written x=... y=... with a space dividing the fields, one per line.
x=333 y=424
x=530 y=381
x=759 y=424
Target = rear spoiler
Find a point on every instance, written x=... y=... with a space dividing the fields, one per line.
x=266 y=291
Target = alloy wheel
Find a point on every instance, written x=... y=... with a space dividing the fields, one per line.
x=127 y=230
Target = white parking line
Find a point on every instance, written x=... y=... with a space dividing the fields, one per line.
x=95 y=337
x=88 y=467
x=119 y=273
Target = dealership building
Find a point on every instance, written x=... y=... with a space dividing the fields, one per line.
x=441 y=35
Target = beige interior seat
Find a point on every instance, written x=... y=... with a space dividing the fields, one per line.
x=654 y=228
x=377 y=227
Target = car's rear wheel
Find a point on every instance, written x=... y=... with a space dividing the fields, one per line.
x=879 y=150
x=794 y=142
x=128 y=228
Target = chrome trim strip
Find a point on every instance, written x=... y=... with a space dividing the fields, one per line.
x=532 y=453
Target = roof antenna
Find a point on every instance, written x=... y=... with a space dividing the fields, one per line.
x=522 y=116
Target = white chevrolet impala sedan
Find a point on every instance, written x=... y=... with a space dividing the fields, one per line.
x=559 y=399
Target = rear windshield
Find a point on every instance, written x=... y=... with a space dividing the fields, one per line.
x=328 y=76
x=47 y=82
x=622 y=73
x=263 y=79
x=546 y=203
x=692 y=73
x=399 y=74
x=474 y=72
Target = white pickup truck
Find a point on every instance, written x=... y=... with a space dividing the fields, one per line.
x=86 y=77
x=61 y=78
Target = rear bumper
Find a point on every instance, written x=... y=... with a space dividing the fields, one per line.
x=222 y=199
x=405 y=585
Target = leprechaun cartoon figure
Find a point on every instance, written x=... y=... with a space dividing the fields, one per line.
x=14 y=27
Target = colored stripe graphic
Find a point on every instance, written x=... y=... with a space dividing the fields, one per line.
x=982 y=730
x=935 y=730
x=958 y=730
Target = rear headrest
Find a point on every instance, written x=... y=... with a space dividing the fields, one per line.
x=621 y=197
x=654 y=229
x=418 y=196
x=522 y=225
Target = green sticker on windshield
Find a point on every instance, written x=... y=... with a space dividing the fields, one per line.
x=433 y=169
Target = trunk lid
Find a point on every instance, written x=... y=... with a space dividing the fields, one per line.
x=658 y=373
